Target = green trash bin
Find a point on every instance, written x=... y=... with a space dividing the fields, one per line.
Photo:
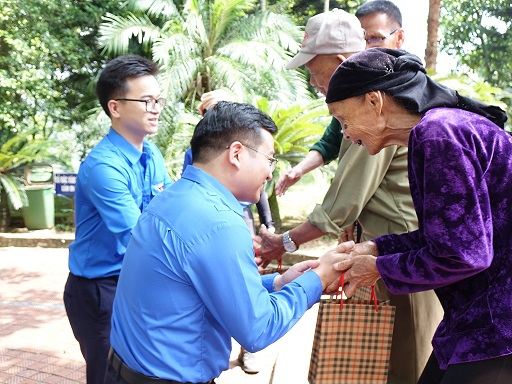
x=40 y=213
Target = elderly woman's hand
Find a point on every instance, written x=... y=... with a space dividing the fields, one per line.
x=360 y=271
x=366 y=248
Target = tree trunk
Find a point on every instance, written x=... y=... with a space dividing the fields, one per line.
x=434 y=9
x=5 y=213
x=326 y=5
x=263 y=5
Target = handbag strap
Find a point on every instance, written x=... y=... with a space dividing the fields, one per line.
x=279 y=262
x=341 y=283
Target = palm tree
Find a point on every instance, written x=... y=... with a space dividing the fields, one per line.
x=15 y=153
x=209 y=45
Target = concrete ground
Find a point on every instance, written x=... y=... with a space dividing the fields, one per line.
x=36 y=342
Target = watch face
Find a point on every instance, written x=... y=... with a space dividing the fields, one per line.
x=290 y=247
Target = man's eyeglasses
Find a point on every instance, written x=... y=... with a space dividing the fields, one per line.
x=378 y=39
x=150 y=103
x=272 y=160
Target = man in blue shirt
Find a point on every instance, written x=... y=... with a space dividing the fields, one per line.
x=115 y=183
x=189 y=280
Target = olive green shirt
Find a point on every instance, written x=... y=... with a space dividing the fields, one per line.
x=330 y=142
x=373 y=190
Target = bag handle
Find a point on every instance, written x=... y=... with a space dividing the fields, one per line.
x=341 y=283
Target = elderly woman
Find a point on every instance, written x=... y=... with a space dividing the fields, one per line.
x=460 y=175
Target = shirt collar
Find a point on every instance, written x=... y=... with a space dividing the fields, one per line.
x=126 y=148
x=214 y=187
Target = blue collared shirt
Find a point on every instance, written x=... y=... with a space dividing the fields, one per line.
x=113 y=187
x=189 y=283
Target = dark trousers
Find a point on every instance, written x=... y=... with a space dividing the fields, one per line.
x=88 y=305
x=492 y=371
x=113 y=377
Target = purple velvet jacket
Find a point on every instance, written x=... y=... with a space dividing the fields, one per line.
x=460 y=174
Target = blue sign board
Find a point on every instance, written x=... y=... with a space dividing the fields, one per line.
x=65 y=183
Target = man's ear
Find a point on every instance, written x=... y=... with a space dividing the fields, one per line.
x=113 y=108
x=400 y=38
x=341 y=58
x=234 y=151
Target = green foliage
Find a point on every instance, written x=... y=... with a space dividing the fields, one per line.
x=299 y=127
x=14 y=153
x=479 y=90
x=210 y=45
x=302 y=10
x=176 y=127
x=478 y=33
x=48 y=60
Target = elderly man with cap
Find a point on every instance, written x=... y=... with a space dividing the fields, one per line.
x=382 y=22
x=371 y=189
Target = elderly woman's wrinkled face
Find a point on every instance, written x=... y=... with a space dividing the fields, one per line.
x=360 y=122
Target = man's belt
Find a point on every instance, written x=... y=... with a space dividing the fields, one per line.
x=134 y=377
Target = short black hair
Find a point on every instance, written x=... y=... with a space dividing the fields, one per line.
x=380 y=6
x=227 y=122
x=112 y=81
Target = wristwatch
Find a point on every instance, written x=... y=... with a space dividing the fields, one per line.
x=288 y=244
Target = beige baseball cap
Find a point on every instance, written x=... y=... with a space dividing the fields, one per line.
x=330 y=33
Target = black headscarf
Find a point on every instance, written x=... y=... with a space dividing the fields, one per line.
x=403 y=76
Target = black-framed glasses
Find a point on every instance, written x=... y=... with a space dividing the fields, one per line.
x=378 y=39
x=272 y=160
x=150 y=103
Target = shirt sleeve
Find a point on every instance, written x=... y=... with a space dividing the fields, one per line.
x=329 y=144
x=108 y=190
x=231 y=288
x=456 y=232
x=395 y=243
x=356 y=180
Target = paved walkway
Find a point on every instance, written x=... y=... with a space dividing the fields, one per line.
x=37 y=345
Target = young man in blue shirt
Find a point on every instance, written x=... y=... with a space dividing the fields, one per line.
x=114 y=185
x=189 y=281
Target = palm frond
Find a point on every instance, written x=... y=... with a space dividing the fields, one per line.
x=227 y=73
x=174 y=47
x=225 y=13
x=158 y=8
x=13 y=187
x=115 y=32
x=180 y=77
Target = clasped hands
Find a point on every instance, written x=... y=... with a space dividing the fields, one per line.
x=357 y=261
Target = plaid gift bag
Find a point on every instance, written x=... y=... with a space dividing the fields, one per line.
x=352 y=342
x=362 y=294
